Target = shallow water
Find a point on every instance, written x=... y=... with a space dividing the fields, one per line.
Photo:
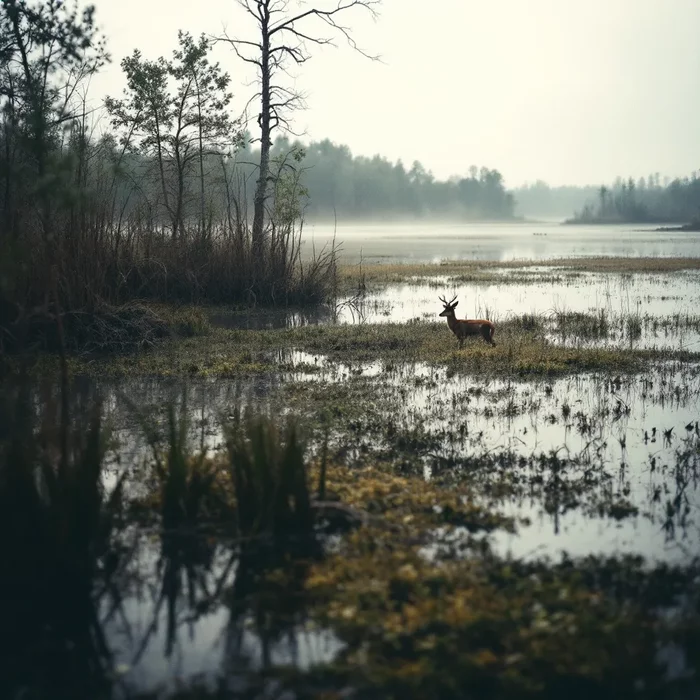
x=198 y=630
x=615 y=486
x=610 y=448
x=432 y=242
x=596 y=464
x=608 y=435
x=640 y=310
x=667 y=306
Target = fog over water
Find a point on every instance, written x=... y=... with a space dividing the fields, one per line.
x=433 y=242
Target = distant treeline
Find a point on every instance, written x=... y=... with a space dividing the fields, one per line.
x=542 y=200
x=646 y=201
x=331 y=183
x=336 y=183
x=340 y=184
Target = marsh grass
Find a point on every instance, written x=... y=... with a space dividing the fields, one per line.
x=521 y=349
x=490 y=271
x=589 y=326
x=184 y=487
x=93 y=277
x=269 y=475
x=257 y=489
x=633 y=326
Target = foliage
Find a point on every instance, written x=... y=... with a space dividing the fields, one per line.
x=646 y=201
x=180 y=132
x=357 y=187
x=155 y=206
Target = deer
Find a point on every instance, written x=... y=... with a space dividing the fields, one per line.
x=464 y=329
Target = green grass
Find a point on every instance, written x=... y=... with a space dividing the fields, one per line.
x=521 y=350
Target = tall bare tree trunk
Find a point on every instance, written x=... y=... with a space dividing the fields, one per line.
x=280 y=40
x=265 y=141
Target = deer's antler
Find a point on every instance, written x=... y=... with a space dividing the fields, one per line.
x=447 y=303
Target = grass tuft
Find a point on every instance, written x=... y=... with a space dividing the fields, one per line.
x=269 y=476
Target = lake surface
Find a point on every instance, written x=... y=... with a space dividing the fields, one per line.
x=432 y=241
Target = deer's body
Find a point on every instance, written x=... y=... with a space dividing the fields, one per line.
x=467 y=328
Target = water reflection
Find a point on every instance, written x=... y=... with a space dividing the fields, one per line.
x=63 y=555
x=270 y=318
x=98 y=599
x=625 y=476
x=222 y=622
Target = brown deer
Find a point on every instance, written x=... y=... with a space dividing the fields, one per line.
x=465 y=329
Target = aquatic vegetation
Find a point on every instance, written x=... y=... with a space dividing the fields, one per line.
x=406 y=524
x=269 y=477
x=59 y=545
x=416 y=627
x=522 y=349
x=418 y=624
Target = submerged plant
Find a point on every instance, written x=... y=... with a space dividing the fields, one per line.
x=270 y=480
x=189 y=493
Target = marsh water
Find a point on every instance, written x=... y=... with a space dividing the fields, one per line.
x=588 y=464
x=543 y=240
x=639 y=311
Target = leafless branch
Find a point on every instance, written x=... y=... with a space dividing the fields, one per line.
x=280 y=40
x=328 y=16
x=235 y=44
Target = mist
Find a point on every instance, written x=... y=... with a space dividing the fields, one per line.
x=571 y=94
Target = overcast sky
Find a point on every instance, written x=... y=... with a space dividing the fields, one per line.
x=568 y=91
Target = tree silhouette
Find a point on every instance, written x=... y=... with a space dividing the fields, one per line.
x=282 y=38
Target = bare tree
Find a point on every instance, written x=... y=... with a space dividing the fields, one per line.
x=284 y=37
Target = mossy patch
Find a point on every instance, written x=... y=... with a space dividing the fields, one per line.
x=418 y=625
x=223 y=353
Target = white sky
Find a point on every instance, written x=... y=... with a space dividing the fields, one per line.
x=568 y=91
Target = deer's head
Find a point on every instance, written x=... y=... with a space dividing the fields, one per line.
x=449 y=309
